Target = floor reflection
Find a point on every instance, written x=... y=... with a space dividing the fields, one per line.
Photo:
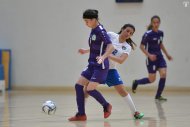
x=4 y=110
x=161 y=114
x=160 y=121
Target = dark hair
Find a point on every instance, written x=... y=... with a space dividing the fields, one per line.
x=90 y=14
x=129 y=40
x=153 y=17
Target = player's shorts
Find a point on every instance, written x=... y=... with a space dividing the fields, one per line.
x=153 y=66
x=95 y=74
x=113 y=78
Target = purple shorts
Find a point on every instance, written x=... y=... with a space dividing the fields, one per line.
x=95 y=74
x=153 y=66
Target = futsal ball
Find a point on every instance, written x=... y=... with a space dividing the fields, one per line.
x=49 y=107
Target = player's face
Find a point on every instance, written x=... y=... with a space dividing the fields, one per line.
x=155 y=24
x=90 y=22
x=127 y=32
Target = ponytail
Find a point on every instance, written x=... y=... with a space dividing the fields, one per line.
x=131 y=43
x=129 y=40
x=149 y=27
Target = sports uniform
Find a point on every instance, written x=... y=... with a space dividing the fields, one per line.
x=98 y=42
x=152 y=41
x=113 y=77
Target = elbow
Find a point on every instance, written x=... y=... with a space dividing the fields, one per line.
x=121 y=61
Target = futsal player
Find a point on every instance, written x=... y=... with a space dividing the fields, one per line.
x=97 y=69
x=152 y=46
x=122 y=43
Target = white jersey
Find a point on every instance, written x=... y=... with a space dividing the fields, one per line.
x=120 y=48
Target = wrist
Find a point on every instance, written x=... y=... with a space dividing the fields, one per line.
x=104 y=56
x=148 y=55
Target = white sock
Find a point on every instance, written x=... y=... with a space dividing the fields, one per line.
x=129 y=101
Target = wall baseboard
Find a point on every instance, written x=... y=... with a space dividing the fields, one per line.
x=102 y=88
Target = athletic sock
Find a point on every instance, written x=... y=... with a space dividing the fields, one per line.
x=98 y=96
x=80 y=99
x=161 y=86
x=130 y=102
x=142 y=81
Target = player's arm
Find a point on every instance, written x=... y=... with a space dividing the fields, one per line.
x=142 y=47
x=119 y=59
x=83 y=51
x=165 y=51
x=147 y=54
x=144 y=42
x=109 y=50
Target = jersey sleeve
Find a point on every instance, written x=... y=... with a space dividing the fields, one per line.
x=104 y=36
x=127 y=50
x=144 y=39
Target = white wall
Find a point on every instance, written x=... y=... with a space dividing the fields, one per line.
x=44 y=36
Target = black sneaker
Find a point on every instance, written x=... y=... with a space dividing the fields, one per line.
x=161 y=98
x=134 y=86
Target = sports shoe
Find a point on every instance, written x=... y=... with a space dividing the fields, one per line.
x=107 y=111
x=161 y=98
x=138 y=115
x=134 y=86
x=78 y=117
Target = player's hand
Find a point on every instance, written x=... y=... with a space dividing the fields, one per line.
x=152 y=57
x=83 y=51
x=100 y=59
x=170 y=58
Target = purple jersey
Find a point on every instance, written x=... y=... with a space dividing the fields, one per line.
x=152 y=41
x=98 y=42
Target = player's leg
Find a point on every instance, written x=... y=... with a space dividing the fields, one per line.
x=127 y=98
x=114 y=79
x=152 y=68
x=91 y=89
x=79 y=86
x=161 y=85
x=99 y=77
x=162 y=68
x=150 y=79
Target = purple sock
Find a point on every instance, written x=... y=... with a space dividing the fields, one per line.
x=143 y=81
x=161 y=86
x=98 y=96
x=80 y=99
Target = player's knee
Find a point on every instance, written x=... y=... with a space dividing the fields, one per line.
x=151 y=79
x=122 y=92
x=163 y=75
x=82 y=81
x=90 y=88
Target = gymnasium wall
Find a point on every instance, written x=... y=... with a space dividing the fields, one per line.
x=44 y=36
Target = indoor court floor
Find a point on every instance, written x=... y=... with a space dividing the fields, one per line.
x=23 y=109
